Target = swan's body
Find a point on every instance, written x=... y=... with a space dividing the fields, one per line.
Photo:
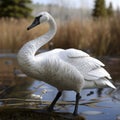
x=69 y=69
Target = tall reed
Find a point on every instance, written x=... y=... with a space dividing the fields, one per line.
x=13 y=34
x=99 y=37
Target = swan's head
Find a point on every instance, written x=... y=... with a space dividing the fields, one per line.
x=40 y=18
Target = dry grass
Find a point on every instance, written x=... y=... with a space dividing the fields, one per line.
x=73 y=34
x=14 y=34
x=105 y=37
x=100 y=37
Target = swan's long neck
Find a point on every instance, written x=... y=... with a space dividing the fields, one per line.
x=26 y=55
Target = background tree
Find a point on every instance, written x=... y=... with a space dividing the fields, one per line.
x=99 y=9
x=15 y=8
x=110 y=10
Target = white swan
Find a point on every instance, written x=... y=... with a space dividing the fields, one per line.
x=69 y=69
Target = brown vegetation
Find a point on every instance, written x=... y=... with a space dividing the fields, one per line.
x=100 y=37
x=14 y=34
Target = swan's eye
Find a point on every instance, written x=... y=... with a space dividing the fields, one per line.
x=41 y=16
x=38 y=17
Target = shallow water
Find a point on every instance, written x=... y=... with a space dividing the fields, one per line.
x=101 y=104
x=106 y=106
x=95 y=104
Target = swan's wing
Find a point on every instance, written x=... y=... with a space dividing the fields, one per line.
x=89 y=67
x=92 y=69
x=73 y=53
x=99 y=73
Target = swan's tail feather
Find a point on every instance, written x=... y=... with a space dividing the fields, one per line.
x=101 y=83
x=109 y=84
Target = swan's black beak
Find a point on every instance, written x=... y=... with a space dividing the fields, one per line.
x=35 y=23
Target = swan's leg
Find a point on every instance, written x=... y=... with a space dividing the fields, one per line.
x=50 y=108
x=76 y=104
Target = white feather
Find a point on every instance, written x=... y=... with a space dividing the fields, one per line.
x=69 y=69
x=110 y=84
x=73 y=53
x=99 y=73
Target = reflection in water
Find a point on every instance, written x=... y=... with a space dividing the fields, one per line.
x=90 y=93
x=18 y=89
x=99 y=101
x=16 y=85
x=99 y=92
x=116 y=94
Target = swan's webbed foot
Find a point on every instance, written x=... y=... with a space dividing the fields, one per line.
x=75 y=113
x=50 y=108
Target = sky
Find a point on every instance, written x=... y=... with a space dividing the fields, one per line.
x=78 y=3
